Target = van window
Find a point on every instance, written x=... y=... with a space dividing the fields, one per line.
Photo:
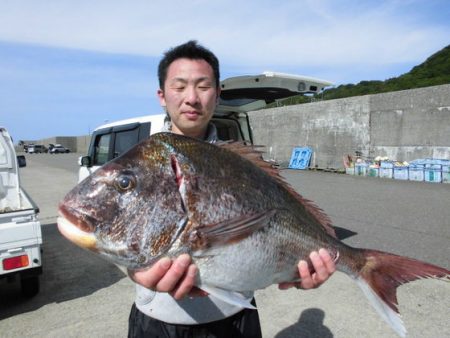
x=112 y=142
x=125 y=140
x=101 y=149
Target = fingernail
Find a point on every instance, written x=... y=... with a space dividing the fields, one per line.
x=165 y=263
x=183 y=260
x=323 y=251
x=302 y=264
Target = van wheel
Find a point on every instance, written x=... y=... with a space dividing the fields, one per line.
x=29 y=286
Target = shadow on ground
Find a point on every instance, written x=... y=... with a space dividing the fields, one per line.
x=309 y=325
x=68 y=273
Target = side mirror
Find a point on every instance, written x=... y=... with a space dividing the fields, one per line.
x=85 y=161
x=21 y=161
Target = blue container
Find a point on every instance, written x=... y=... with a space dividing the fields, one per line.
x=373 y=171
x=386 y=169
x=433 y=173
x=361 y=169
x=446 y=173
x=401 y=173
x=417 y=172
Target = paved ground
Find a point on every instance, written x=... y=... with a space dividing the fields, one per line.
x=84 y=296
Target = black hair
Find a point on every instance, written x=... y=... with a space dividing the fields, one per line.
x=189 y=50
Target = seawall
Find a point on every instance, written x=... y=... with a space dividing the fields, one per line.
x=403 y=125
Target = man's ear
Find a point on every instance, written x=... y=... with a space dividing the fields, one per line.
x=162 y=99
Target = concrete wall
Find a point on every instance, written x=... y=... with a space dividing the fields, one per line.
x=402 y=125
x=411 y=124
x=83 y=144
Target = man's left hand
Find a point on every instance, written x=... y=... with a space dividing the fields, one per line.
x=323 y=265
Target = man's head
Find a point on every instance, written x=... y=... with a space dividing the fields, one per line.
x=189 y=80
x=189 y=50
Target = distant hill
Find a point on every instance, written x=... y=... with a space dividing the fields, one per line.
x=434 y=71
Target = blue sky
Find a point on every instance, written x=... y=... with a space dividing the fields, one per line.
x=67 y=66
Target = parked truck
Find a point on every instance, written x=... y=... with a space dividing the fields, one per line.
x=20 y=229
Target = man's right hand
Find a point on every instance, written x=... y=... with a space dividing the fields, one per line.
x=176 y=277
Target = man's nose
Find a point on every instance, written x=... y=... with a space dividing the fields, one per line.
x=192 y=97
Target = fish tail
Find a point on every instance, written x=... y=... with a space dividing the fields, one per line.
x=380 y=276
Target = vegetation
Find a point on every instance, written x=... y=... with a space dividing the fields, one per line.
x=434 y=71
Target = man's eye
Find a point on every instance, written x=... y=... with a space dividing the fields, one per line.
x=178 y=88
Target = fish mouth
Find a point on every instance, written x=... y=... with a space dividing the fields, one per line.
x=79 y=219
x=77 y=228
x=76 y=235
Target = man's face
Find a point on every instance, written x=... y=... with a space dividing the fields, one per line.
x=190 y=96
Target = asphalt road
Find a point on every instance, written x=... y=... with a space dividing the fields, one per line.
x=85 y=296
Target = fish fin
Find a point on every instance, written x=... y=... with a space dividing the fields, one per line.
x=251 y=153
x=122 y=268
x=230 y=297
x=383 y=273
x=231 y=230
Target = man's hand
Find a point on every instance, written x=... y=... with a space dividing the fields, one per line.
x=176 y=277
x=323 y=265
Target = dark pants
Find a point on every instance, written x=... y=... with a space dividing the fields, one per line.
x=244 y=324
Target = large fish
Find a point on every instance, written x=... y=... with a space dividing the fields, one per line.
x=244 y=227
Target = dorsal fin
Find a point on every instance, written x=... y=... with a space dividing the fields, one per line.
x=251 y=153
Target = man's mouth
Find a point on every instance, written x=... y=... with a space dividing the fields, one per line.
x=191 y=115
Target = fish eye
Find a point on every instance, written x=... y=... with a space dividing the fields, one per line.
x=125 y=181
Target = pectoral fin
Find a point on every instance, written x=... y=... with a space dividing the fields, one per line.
x=231 y=297
x=229 y=231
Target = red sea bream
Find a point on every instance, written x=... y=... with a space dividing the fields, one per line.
x=244 y=227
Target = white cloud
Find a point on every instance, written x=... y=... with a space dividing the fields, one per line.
x=260 y=33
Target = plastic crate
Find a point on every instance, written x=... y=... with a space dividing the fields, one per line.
x=433 y=173
x=361 y=169
x=446 y=173
x=386 y=169
x=401 y=173
x=373 y=171
x=417 y=172
x=300 y=158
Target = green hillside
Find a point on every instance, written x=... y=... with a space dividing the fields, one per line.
x=434 y=71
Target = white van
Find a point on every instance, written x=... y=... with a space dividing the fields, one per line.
x=239 y=95
x=110 y=140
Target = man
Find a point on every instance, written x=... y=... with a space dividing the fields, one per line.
x=167 y=303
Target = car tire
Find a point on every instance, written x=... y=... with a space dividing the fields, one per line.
x=30 y=286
